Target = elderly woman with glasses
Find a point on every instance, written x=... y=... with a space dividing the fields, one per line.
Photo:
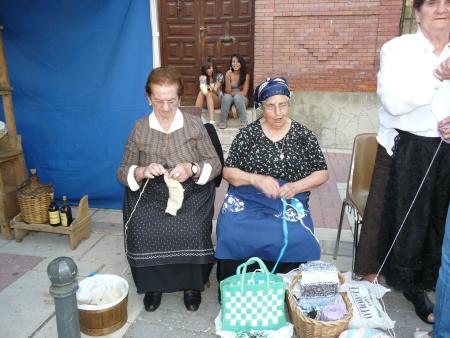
x=273 y=158
x=168 y=169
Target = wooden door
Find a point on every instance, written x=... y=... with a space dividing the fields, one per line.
x=190 y=31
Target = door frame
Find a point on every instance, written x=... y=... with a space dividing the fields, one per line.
x=154 y=20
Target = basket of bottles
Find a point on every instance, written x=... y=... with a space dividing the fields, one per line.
x=34 y=199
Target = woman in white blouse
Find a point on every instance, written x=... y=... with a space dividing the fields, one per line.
x=414 y=89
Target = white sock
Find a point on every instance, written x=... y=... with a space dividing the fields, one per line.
x=176 y=195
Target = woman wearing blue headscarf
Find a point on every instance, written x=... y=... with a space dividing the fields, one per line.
x=272 y=158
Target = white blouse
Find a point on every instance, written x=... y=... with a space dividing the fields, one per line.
x=412 y=98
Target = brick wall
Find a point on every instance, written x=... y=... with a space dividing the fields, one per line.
x=323 y=45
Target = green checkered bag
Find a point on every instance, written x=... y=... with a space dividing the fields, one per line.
x=252 y=300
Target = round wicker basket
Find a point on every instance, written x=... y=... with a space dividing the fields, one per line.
x=34 y=199
x=306 y=327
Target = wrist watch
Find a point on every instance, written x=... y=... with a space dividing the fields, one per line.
x=194 y=168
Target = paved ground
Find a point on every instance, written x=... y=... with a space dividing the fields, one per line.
x=27 y=309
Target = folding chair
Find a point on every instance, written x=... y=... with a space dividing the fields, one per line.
x=358 y=185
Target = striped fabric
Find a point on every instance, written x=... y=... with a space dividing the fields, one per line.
x=188 y=144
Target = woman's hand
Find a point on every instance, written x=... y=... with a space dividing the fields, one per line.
x=312 y=181
x=444 y=127
x=181 y=172
x=151 y=171
x=267 y=184
x=442 y=72
x=288 y=190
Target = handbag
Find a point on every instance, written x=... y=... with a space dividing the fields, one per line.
x=252 y=300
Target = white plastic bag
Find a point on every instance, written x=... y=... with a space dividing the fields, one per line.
x=101 y=292
x=367 y=310
x=363 y=333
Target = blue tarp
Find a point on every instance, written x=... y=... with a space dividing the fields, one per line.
x=78 y=69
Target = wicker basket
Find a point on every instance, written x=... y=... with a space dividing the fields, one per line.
x=306 y=327
x=34 y=199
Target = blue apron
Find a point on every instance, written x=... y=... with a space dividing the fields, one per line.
x=250 y=225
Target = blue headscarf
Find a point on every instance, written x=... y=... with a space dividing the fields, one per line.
x=270 y=87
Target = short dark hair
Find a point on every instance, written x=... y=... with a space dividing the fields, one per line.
x=417 y=4
x=165 y=75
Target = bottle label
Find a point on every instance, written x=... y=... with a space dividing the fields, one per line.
x=54 y=217
x=64 y=222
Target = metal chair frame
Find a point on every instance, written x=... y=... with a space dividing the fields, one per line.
x=370 y=146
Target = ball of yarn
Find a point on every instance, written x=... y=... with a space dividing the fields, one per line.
x=333 y=312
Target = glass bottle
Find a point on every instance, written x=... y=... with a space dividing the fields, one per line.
x=53 y=212
x=34 y=180
x=66 y=213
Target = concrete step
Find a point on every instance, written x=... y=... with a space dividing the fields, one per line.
x=227 y=135
x=231 y=123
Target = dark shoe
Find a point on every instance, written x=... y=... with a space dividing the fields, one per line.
x=422 y=305
x=192 y=299
x=152 y=300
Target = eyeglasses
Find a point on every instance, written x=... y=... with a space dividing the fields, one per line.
x=161 y=103
x=271 y=107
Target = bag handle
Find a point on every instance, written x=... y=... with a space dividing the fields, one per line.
x=294 y=281
x=242 y=270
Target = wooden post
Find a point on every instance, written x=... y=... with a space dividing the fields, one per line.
x=5 y=92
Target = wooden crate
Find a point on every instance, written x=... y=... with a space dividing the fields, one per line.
x=78 y=230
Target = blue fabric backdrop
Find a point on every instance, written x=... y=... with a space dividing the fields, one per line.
x=78 y=69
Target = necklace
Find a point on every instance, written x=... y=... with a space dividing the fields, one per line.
x=280 y=151
x=281 y=155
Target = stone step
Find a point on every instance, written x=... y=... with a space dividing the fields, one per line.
x=231 y=123
x=227 y=135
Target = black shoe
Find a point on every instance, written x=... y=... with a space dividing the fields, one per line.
x=422 y=305
x=192 y=299
x=152 y=300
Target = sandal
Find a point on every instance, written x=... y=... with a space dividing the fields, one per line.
x=222 y=125
x=422 y=305
x=243 y=125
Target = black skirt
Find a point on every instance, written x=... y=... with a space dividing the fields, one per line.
x=171 y=278
x=415 y=258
